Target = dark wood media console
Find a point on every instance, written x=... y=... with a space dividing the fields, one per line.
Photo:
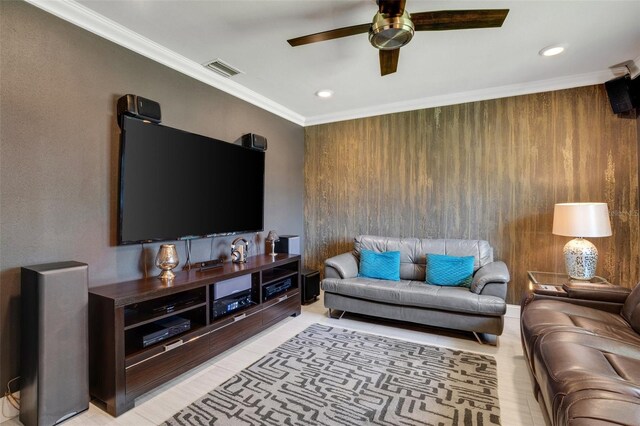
x=122 y=367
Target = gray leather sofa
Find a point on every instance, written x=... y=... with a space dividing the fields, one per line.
x=479 y=309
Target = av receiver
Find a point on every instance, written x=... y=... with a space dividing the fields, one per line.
x=228 y=305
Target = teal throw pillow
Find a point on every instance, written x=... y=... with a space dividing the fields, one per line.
x=449 y=270
x=385 y=266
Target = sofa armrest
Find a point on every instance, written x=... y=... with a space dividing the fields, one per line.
x=600 y=305
x=341 y=266
x=600 y=292
x=491 y=273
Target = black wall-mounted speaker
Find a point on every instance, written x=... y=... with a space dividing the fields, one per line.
x=251 y=140
x=55 y=342
x=139 y=107
x=624 y=94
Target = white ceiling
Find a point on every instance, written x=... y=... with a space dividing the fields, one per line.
x=435 y=68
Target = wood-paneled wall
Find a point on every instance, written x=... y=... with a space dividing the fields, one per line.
x=488 y=170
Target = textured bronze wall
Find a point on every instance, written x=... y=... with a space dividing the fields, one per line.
x=485 y=170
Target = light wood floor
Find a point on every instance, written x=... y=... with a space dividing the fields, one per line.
x=517 y=404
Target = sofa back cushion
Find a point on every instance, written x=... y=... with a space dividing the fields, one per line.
x=384 y=266
x=413 y=252
x=448 y=270
x=630 y=309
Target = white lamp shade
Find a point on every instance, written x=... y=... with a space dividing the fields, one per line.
x=581 y=220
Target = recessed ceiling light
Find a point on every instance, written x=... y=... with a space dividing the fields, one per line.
x=325 y=93
x=551 y=50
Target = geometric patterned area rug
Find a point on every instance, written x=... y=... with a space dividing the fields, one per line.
x=330 y=376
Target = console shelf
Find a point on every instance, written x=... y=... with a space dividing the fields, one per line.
x=142 y=319
x=132 y=350
x=277 y=274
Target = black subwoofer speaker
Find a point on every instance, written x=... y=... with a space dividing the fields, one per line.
x=310 y=286
x=54 y=342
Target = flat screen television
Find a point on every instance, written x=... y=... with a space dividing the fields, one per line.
x=176 y=185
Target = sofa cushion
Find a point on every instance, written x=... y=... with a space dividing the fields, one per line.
x=569 y=365
x=418 y=294
x=631 y=308
x=543 y=316
x=413 y=252
x=449 y=270
x=385 y=266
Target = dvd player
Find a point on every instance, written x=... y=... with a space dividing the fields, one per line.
x=165 y=328
x=276 y=288
x=171 y=304
x=154 y=337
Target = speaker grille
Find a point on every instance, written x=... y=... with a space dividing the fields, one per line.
x=55 y=342
x=222 y=68
x=620 y=94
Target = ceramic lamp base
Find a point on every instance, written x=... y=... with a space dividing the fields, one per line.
x=581 y=259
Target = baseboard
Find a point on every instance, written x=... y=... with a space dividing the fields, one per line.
x=7 y=412
x=513 y=311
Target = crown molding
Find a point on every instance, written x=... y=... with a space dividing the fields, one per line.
x=91 y=21
x=561 y=83
x=85 y=18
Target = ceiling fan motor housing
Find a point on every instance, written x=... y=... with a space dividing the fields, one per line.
x=391 y=32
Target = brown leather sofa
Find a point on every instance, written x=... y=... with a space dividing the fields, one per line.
x=583 y=352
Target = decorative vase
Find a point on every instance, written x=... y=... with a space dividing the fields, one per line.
x=167 y=259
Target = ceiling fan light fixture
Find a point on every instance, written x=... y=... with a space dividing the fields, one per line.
x=553 y=50
x=389 y=33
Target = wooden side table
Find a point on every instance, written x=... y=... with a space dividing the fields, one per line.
x=550 y=283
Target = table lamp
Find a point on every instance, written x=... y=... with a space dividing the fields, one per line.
x=581 y=220
x=273 y=237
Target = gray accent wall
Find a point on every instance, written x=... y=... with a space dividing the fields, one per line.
x=59 y=144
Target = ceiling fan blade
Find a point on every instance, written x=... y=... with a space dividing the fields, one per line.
x=388 y=61
x=330 y=35
x=458 y=19
x=391 y=7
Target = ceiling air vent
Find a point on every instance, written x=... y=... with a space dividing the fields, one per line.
x=222 y=68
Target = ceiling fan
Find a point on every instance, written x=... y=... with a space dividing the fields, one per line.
x=393 y=27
